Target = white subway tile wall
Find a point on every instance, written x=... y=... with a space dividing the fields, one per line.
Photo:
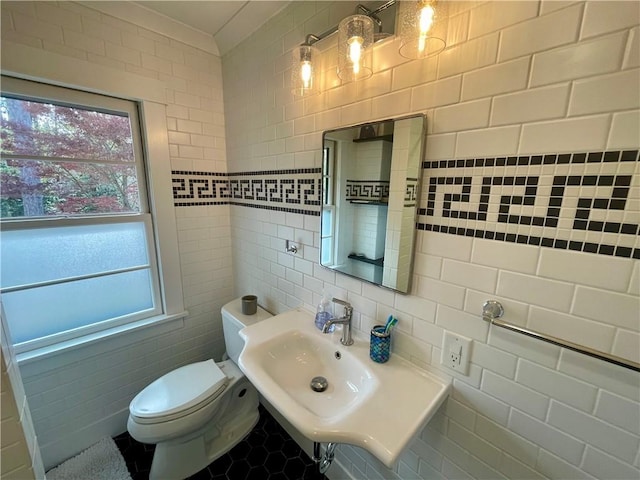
x=517 y=79
x=522 y=80
x=81 y=400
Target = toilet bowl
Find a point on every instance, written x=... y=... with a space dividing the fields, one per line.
x=196 y=413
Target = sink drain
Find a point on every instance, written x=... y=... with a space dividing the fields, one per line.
x=319 y=384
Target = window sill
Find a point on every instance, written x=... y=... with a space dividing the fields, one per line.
x=116 y=337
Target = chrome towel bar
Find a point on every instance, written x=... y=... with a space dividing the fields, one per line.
x=492 y=310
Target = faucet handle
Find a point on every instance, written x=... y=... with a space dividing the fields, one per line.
x=345 y=321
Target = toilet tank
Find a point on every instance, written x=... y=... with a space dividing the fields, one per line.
x=233 y=320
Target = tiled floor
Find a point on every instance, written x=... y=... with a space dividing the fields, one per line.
x=267 y=453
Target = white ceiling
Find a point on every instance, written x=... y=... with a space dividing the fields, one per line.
x=229 y=22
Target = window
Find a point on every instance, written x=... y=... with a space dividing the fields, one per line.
x=77 y=244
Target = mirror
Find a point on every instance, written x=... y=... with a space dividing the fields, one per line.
x=370 y=190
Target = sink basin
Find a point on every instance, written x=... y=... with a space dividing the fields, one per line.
x=294 y=358
x=379 y=407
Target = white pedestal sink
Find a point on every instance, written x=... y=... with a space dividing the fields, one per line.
x=379 y=407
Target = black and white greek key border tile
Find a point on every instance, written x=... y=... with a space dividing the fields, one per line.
x=367 y=191
x=199 y=188
x=547 y=159
x=292 y=191
x=411 y=193
x=586 y=202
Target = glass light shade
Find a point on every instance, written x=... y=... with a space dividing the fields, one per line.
x=355 y=38
x=420 y=34
x=305 y=71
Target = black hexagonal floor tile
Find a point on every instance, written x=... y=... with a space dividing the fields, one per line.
x=294 y=468
x=238 y=469
x=267 y=453
x=258 y=473
x=275 y=462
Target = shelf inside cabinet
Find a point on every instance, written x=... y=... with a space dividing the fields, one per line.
x=386 y=138
x=361 y=258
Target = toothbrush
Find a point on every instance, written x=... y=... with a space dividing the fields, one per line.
x=391 y=322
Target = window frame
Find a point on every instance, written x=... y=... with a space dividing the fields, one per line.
x=40 y=92
x=149 y=94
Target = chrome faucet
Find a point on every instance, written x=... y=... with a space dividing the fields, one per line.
x=344 y=320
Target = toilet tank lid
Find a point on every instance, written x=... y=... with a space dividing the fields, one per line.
x=179 y=390
x=234 y=309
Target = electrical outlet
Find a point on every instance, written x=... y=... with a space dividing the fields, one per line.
x=455 y=352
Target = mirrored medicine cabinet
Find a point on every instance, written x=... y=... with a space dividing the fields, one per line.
x=370 y=191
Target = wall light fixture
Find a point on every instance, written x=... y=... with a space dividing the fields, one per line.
x=355 y=37
x=306 y=63
x=417 y=25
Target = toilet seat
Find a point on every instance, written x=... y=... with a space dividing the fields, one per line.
x=179 y=393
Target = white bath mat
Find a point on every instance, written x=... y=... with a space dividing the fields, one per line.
x=102 y=461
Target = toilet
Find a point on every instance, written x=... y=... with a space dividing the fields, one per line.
x=196 y=413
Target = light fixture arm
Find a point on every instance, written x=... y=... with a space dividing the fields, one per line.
x=384 y=6
x=310 y=39
x=371 y=15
